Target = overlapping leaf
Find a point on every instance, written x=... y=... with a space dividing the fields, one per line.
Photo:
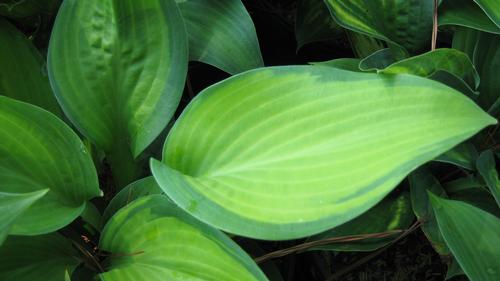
x=12 y=205
x=118 y=68
x=37 y=258
x=165 y=243
x=313 y=23
x=490 y=7
x=221 y=33
x=23 y=75
x=463 y=155
x=390 y=214
x=128 y=194
x=472 y=236
x=406 y=24
x=487 y=62
x=39 y=152
x=486 y=166
x=465 y=13
x=286 y=152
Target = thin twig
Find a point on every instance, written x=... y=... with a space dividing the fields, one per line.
x=308 y=245
x=370 y=256
x=434 y=26
x=89 y=255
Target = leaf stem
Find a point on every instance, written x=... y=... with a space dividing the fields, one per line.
x=434 y=26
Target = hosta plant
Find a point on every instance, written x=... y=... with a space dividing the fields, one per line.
x=348 y=154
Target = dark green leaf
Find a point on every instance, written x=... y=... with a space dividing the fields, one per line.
x=37 y=258
x=23 y=75
x=221 y=33
x=313 y=23
x=378 y=60
x=472 y=236
x=131 y=192
x=350 y=64
x=422 y=181
x=389 y=214
x=12 y=205
x=465 y=13
x=486 y=166
x=406 y=24
x=40 y=152
x=463 y=155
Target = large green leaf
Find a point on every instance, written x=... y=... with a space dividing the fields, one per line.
x=38 y=258
x=286 y=152
x=425 y=65
x=128 y=194
x=12 y=205
x=23 y=74
x=491 y=8
x=486 y=166
x=393 y=213
x=221 y=33
x=38 y=152
x=118 y=68
x=154 y=240
x=313 y=23
x=465 y=13
x=422 y=181
x=405 y=24
x=472 y=236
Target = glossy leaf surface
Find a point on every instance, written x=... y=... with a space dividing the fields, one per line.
x=221 y=33
x=389 y=214
x=407 y=24
x=40 y=152
x=117 y=68
x=246 y=152
x=472 y=236
x=23 y=75
x=170 y=245
x=37 y=258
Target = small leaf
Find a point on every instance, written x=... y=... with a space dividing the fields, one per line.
x=128 y=194
x=37 y=258
x=472 y=236
x=465 y=13
x=23 y=75
x=486 y=166
x=92 y=216
x=258 y=155
x=313 y=23
x=422 y=182
x=487 y=62
x=12 y=205
x=378 y=60
x=463 y=155
x=154 y=240
x=118 y=70
x=221 y=33
x=40 y=152
x=425 y=65
x=350 y=64
x=390 y=214
x=405 y=24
